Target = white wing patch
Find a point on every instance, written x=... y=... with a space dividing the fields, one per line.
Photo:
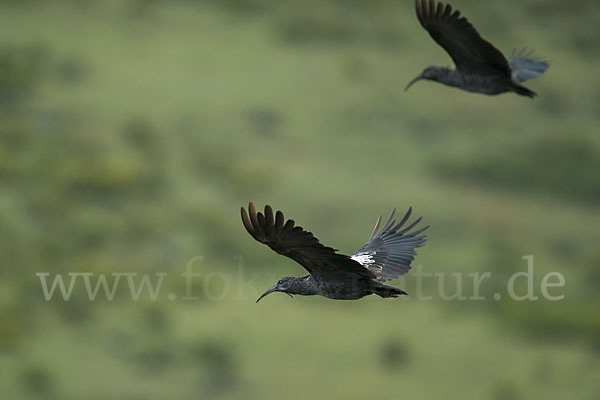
x=364 y=259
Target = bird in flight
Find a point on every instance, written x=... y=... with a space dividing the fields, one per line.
x=480 y=67
x=386 y=255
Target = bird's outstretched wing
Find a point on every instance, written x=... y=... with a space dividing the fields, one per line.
x=299 y=245
x=525 y=65
x=469 y=51
x=389 y=251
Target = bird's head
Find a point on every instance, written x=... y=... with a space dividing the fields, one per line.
x=431 y=73
x=283 y=285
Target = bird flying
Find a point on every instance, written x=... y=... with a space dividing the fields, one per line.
x=387 y=255
x=480 y=67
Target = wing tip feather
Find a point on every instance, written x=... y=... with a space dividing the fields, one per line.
x=269 y=218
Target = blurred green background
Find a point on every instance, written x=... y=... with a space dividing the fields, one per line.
x=132 y=131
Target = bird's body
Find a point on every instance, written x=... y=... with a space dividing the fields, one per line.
x=490 y=82
x=387 y=255
x=342 y=288
x=347 y=288
x=480 y=67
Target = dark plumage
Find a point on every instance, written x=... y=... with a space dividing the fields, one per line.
x=387 y=255
x=480 y=67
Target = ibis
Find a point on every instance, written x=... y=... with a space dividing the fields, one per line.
x=387 y=255
x=480 y=67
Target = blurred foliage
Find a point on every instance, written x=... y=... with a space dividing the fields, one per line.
x=394 y=354
x=20 y=73
x=545 y=168
x=132 y=131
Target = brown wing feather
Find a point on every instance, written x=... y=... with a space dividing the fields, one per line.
x=458 y=37
x=299 y=245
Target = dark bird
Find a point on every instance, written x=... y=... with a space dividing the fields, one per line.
x=387 y=255
x=480 y=67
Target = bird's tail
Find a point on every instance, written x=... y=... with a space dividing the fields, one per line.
x=522 y=90
x=387 y=291
x=525 y=66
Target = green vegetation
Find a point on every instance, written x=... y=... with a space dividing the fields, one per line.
x=132 y=131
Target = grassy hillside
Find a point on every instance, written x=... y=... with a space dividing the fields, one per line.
x=132 y=131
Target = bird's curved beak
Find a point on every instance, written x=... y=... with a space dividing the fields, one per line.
x=269 y=291
x=418 y=78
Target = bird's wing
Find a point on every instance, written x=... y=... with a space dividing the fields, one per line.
x=456 y=35
x=525 y=66
x=299 y=245
x=389 y=251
